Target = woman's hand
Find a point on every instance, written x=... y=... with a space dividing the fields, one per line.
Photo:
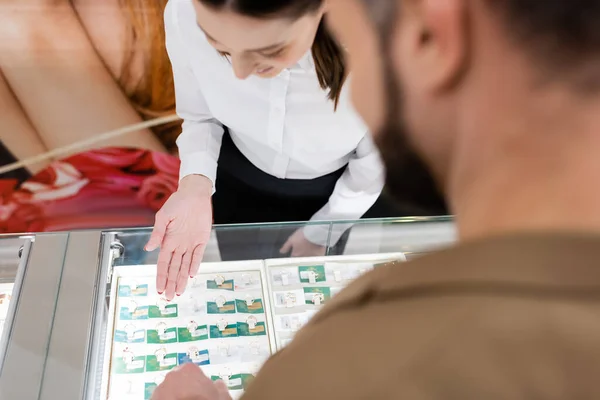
x=300 y=246
x=188 y=382
x=181 y=230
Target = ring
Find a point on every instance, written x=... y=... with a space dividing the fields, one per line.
x=160 y=354
x=128 y=356
x=222 y=325
x=225 y=375
x=130 y=330
x=132 y=306
x=318 y=298
x=221 y=300
x=219 y=280
x=161 y=327
x=193 y=353
x=290 y=299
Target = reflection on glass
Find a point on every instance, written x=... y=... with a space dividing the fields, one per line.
x=5 y=297
x=264 y=241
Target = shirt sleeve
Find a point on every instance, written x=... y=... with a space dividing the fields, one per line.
x=355 y=192
x=200 y=140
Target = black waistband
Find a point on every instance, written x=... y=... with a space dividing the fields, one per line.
x=232 y=161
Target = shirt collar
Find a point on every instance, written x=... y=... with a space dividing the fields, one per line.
x=307 y=62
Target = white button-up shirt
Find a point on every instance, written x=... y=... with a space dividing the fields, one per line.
x=286 y=126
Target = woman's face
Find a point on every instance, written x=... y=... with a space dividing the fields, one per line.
x=261 y=47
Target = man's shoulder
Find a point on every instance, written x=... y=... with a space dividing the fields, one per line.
x=505 y=264
x=478 y=312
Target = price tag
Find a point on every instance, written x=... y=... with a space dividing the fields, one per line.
x=285 y=278
x=337 y=275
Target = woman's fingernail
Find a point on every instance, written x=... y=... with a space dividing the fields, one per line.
x=160 y=292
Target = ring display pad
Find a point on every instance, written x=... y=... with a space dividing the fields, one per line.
x=300 y=287
x=230 y=319
x=221 y=323
x=6 y=290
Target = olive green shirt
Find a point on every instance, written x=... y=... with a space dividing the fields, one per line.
x=514 y=317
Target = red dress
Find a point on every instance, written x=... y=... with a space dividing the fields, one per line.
x=105 y=188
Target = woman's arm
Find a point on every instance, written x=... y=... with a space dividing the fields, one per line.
x=63 y=87
x=355 y=192
x=16 y=132
x=200 y=140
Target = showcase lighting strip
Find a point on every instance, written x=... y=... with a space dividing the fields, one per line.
x=88 y=143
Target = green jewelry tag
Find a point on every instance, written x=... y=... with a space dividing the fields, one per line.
x=136 y=366
x=312 y=273
x=316 y=295
x=169 y=336
x=230 y=330
x=245 y=330
x=246 y=380
x=235 y=382
x=125 y=314
x=170 y=311
x=167 y=363
x=140 y=291
x=185 y=335
x=226 y=285
x=254 y=306
x=213 y=308
x=149 y=389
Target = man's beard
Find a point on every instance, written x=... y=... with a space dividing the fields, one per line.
x=408 y=179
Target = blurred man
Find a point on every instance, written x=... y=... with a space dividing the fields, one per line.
x=501 y=101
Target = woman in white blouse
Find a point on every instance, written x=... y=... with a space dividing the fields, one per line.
x=268 y=131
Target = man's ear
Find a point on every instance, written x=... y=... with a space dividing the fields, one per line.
x=437 y=40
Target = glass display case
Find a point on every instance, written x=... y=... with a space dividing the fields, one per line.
x=30 y=274
x=114 y=337
x=13 y=254
x=234 y=314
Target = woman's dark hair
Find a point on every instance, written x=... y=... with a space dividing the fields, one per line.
x=327 y=53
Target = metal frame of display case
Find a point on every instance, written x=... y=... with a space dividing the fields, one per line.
x=31 y=330
x=62 y=302
x=23 y=255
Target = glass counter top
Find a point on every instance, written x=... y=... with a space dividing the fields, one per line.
x=91 y=325
x=240 y=309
